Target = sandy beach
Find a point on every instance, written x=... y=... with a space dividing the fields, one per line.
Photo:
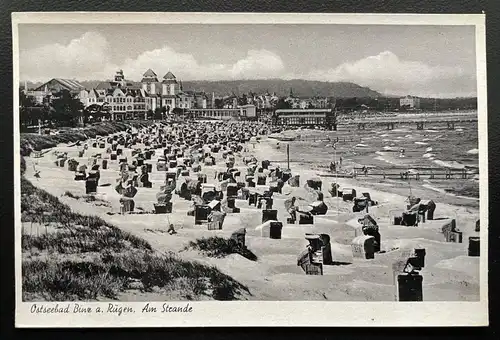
x=449 y=274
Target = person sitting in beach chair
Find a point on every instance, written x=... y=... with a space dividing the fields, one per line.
x=291 y=208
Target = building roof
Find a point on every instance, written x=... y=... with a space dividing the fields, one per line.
x=149 y=80
x=69 y=84
x=169 y=75
x=149 y=73
x=133 y=92
x=169 y=78
x=114 y=84
x=149 y=76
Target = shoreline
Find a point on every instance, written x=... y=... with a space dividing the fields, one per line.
x=423 y=184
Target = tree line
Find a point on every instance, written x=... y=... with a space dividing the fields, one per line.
x=64 y=109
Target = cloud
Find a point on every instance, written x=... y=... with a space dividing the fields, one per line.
x=257 y=64
x=387 y=73
x=86 y=55
x=87 y=58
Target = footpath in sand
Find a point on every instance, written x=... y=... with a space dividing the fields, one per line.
x=449 y=274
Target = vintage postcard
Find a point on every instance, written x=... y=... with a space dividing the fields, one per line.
x=250 y=169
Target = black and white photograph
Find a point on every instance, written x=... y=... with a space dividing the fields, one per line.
x=167 y=164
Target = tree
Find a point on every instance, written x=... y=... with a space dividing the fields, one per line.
x=67 y=108
x=282 y=104
x=150 y=114
x=31 y=112
x=158 y=113
x=218 y=103
x=243 y=100
x=24 y=100
x=177 y=111
x=26 y=111
x=95 y=111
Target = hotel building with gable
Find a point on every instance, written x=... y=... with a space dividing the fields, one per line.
x=127 y=99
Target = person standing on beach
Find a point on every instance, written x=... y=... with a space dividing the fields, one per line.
x=332 y=166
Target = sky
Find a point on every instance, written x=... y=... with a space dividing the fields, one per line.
x=427 y=61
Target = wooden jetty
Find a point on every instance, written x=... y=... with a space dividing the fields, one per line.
x=406 y=174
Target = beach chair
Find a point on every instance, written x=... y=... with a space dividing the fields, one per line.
x=363 y=247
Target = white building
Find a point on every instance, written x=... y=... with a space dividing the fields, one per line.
x=125 y=99
x=248 y=111
x=410 y=102
x=243 y=112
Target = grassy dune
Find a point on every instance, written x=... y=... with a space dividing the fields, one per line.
x=85 y=258
x=219 y=247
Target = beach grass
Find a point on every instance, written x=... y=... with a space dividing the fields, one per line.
x=464 y=188
x=86 y=258
x=68 y=280
x=110 y=273
x=216 y=246
x=86 y=198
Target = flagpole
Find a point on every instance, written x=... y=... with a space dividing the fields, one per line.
x=336 y=176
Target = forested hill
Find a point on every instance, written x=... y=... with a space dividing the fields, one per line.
x=300 y=88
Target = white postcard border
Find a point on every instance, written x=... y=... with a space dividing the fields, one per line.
x=267 y=313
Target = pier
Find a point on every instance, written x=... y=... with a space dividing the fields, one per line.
x=416 y=173
x=420 y=122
